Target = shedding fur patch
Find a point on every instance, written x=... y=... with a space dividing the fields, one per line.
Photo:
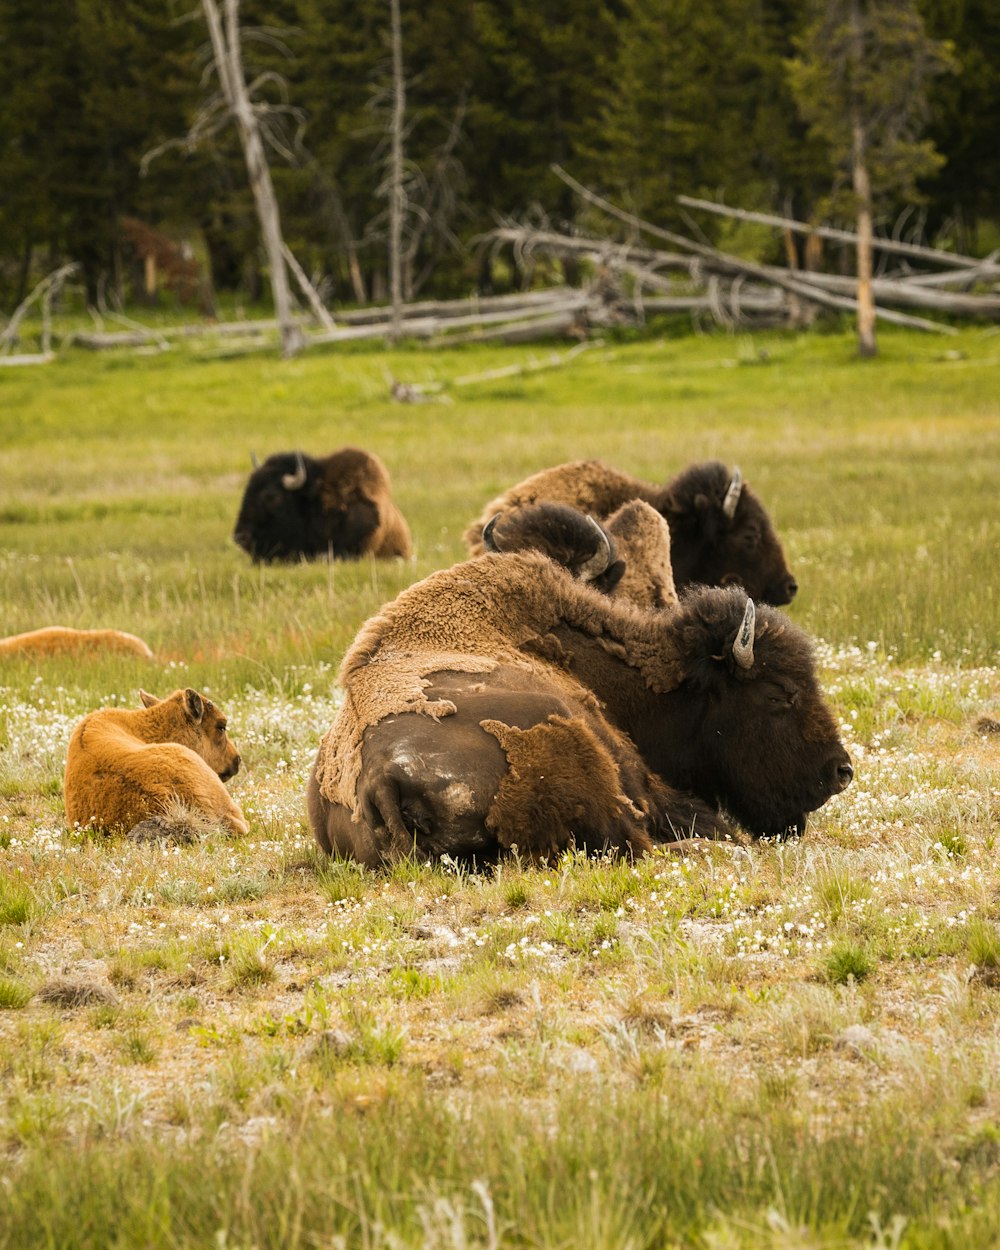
x=561 y=788
x=390 y=684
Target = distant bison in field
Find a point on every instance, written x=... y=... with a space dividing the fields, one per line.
x=503 y=703
x=124 y=765
x=720 y=533
x=298 y=507
x=61 y=640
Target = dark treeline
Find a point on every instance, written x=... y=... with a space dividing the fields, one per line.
x=641 y=99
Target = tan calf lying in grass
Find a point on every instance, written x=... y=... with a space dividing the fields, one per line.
x=61 y=640
x=125 y=766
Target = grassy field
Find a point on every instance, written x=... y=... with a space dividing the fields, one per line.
x=238 y=1044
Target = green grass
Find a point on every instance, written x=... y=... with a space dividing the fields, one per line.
x=237 y=1042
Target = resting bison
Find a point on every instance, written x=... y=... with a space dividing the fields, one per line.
x=592 y=552
x=720 y=533
x=124 y=766
x=502 y=703
x=297 y=507
x=61 y=640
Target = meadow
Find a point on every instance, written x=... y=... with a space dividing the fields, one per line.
x=236 y=1042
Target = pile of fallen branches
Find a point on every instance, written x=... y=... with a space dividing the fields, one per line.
x=695 y=278
x=918 y=286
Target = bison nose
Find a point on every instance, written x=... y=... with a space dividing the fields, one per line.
x=845 y=775
x=791 y=589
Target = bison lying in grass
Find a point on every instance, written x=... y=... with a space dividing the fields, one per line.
x=124 y=766
x=61 y=640
x=503 y=703
x=628 y=556
x=720 y=533
x=297 y=507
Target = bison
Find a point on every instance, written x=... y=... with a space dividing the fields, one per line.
x=62 y=640
x=720 y=533
x=298 y=507
x=591 y=551
x=125 y=765
x=502 y=703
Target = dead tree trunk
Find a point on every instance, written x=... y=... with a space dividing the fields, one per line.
x=229 y=63
x=867 y=345
x=863 y=199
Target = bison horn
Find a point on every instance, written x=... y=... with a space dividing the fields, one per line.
x=598 y=563
x=732 y=494
x=254 y=461
x=743 y=643
x=489 y=542
x=296 y=480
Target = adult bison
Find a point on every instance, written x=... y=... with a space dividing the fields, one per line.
x=627 y=556
x=503 y=703
x=720 y=532
x=298 y=507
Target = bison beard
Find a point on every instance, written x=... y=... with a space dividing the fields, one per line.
x=605 y=727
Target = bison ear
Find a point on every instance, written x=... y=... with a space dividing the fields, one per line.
x=194 y=705
x=148 y=700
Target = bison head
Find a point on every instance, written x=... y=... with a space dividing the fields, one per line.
x=749 y=728
x=281 y=516
x=563 y=534
x=722 y=535
x=192 y=720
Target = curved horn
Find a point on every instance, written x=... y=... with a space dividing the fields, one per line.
x=598 y=563
x=254 y=461
x=743 y=643
x=296 y=480
x=489 y=542
x=733 y=494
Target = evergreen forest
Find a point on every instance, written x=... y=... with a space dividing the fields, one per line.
x=109 y=135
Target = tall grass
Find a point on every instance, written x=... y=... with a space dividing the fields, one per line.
x=123 y=475
x=238 y=1043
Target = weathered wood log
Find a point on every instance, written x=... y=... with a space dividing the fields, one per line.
x=723 y=262
x=44 y=291
x=31 y=358
x=915 y=250
x=910 y=294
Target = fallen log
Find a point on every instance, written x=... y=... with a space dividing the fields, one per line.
x=894 y=246
x=723 y=262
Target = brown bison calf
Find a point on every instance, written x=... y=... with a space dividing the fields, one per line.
x=60 y=640
x=126 y=765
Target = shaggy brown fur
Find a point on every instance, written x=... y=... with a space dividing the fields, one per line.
x=299 y=507
x=637 y=553
x=710 y=546
x=642 y=538
x=599 y=709
x=127 y=765
x=60 y=640
x=352 y=475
